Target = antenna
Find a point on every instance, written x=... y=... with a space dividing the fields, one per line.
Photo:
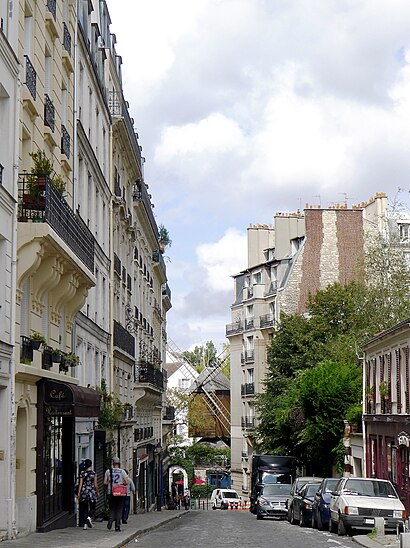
x=346 y=197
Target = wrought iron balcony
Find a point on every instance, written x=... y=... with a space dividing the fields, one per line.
x=117 y=265
x=140 y=194
x=249 y=323
x=158 y=260
x=169 y=413
x=65 y=141
x=166 y=292
x=31 y=78
x=49 y=112
x=51 y=6
x=40 y=201
x=267 y=320
x=148 y=373
x=123 y=339
x=249 y=356
x=247 y=389
x=118 y=108
x=248 y=422
x=66 y=39
x=234 y=328
x=1 y=174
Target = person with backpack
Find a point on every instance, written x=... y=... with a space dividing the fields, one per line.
x=87 y=494
x=116 y=480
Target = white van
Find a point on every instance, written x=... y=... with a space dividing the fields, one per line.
x=224 y=499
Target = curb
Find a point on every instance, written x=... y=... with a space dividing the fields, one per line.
x=140 y=532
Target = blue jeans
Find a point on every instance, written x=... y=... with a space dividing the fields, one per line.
x=126 y=508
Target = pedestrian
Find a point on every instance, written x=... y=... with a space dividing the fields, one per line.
x=187 y=501
x=127 y=501
x=114 y=478
x=87 y=494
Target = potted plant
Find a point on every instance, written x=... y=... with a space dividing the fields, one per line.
x=369 y=392
x=384 y=390
x=26 y=350
x=41 y=170
x=56 y=355
x=164 y=239
x=37 y=339
x=71 y=359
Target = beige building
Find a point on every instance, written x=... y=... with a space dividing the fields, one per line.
x=297 y=255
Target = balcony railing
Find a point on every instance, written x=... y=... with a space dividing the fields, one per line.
x=117 y=265
x=143 y=433
x=150 y=374
x=166 y=292
x=249 y=356
x=49 y=112
x=140 y=194
x=40 y=201
x=31 y=78
x=158 y=259
x=118 y=108
x=247 y=389
x=169 y=413
x=1 y=174
x=267 y=320
x=123 y=339
x=248 y=422
x=65 y=141
x=249 y=323
x=66 y=39
x=233 y=328
x=51 y=6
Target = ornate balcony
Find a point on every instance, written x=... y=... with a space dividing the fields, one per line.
x=51 y=6
x=249 y=356
x=118 y=109
x=1 y=174
x=41 y=202
x=49 y=113
x=267 y=320
x=31 y=78
x=148 y=373
x=140 y=194
x=123 y=339
x=65 y=141
x=66 y=39
x=234 y=328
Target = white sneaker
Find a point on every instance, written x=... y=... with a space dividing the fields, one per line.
x=85 y=527
x=89 y=522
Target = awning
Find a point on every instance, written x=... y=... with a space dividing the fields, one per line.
x=70 y=400
x=198 y=481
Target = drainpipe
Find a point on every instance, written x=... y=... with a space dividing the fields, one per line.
x=75 y=170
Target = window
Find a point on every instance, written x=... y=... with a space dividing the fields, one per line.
x=257 y=277
x=404 y=230
x=183 y=384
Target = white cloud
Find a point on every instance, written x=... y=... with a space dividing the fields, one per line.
x=222 y=259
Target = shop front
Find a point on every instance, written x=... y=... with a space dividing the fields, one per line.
x=58 y=406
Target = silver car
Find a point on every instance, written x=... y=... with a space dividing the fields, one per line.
x=271 y=501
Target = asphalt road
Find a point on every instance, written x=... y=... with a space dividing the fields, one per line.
x=224 y=529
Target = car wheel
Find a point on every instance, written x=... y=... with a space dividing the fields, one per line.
x=302 y=522
x=341 y=530
x=292 y=517
x=258 y=516
x=213 y=507
x=319 y=521
x=332 y=526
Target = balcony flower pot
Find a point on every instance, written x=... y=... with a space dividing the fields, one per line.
x=26 y=350
x=47 y=358
x=56 y=355
x=37 y=339
x=72 y=360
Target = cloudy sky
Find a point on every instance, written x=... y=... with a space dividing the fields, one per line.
x=249 y=107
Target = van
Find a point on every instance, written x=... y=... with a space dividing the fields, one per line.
x=224 y=499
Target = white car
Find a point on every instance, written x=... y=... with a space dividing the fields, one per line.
x=224 y=499
x=355 y=503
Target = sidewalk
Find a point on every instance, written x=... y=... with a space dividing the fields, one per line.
x=387 y=540
x=99 y=536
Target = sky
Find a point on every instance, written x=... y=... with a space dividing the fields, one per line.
x=245 y=108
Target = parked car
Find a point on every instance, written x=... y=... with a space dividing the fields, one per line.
x=298 y=484
x=271 y=501
x=355 y=503
x=224 y=499
x=321 y=504
x=302 y=504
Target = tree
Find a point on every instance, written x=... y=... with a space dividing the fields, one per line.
x=201 y=355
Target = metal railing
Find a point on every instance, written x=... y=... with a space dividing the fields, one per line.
x=40 y=201
x=117 y=265
x=51 y=6
x=123 y=339
x=148 y=373
x=233 y=328
x=166 y=292
x=247 y=389
x=118 y=108
x=49 y=112
x=158 y=259
x=249 y=323
x=1 y=174
x=248 y=422
x=249 y=356
x=169 y=413
x=268 y=320
x=65 y=141
x=140 y=194
x=66 y=39
x=31 y=78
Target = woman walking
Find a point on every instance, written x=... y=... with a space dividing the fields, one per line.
x=87 y=494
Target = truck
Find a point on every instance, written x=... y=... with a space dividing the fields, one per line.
x=269 y=469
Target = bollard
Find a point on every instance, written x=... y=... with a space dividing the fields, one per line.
x=379 y=526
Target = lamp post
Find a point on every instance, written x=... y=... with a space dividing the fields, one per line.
x=158 y=452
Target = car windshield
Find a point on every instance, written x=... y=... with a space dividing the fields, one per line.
x=311 y=489
x=276 y=489
x=330 y=485
x=369 y=488
x=268 y=478
x=230 y=495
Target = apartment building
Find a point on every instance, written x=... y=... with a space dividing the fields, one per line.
x=85 y=296
x=297 y=255
x=9 y=93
